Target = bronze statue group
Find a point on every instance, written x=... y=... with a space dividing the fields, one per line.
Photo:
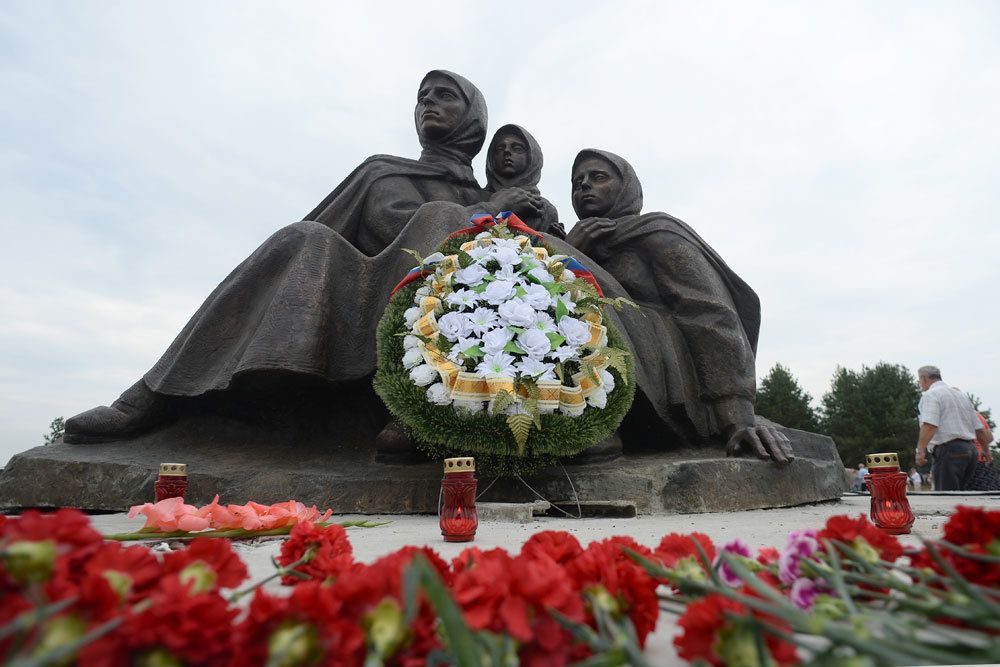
x=304 y=306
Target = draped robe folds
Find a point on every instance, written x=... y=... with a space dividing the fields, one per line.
x=308 y=300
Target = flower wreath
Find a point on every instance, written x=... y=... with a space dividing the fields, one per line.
x=496 y=346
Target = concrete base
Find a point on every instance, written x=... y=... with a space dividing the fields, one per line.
x=243 y=464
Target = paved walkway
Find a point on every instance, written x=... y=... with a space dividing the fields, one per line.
x=758 y=528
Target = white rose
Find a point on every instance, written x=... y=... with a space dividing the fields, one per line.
x=507 y=273
x=468 y=407
x=495 y=340
x=412 y=357
x=576 y=331
x=410 y=342
x=535 y=343
x=567 y=276
x=455 y=325
x=517 y=313
x=608 y=379
x=541 y=275
x=598 y=399
x=411 y=315
x=423 y=375
x=438 y=394
x=498 y=291
x=537 y=297
x=507 y=256
x=471 y=275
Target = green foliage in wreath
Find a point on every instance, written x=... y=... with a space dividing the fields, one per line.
x=441 y=432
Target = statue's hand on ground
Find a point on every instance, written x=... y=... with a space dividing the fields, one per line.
x=590 y=234
x=763 y=440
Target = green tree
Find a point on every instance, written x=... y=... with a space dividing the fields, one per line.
x=977 y=403
x=873 y=410
x=57 y=427
x=781 y=399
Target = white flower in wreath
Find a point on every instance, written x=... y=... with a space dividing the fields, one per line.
x=479 y=252
x=576 y=331
x=567 y=301
x=517 y=313
x=507 y=243
x=410 y=342
x=506 y=256
x=598 y=399
x=537 y=297
x=437 y=394
x=412 y=357
x=498 y=291
x=496 y=339
x=535 y=343
x=544 y=323
x=462 y=299
x=424 y=291
x=536 y=369
x=563 y=352
x=468 y=407
x=455 y=325
x=423 y=375
x=541 y=275
x=482 y=320
x=411 y=315
x=500 y=363
x=508 y=273
x=567 y=276
x=608 y=379
x=461 y=345
x=471 y=275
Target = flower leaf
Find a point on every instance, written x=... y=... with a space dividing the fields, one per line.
x=511 y=346
x=465 y=260
x=520 y=427
x=503 y=400
x=474 y=351
x=555 y=339
x=561 y=310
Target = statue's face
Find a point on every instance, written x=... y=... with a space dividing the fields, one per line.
x=440 y=107
x=510 y=155
x=596 y=185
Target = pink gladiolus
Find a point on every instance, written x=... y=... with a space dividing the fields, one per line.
x=170 y=515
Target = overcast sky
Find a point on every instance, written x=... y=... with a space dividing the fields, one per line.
x=843 y=157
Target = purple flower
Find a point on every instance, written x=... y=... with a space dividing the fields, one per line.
x=801 y=544
x=739 y=548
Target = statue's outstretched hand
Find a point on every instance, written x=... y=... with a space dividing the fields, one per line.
x=763 y=440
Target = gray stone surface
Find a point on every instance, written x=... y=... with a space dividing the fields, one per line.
x=240 y=463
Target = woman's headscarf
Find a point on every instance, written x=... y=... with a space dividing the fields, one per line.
x=629 y=200
x=527 y=179
x=466 y=140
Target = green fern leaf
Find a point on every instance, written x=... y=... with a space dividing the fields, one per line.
x=520 y=427
x=504 y=400
x=420 y=258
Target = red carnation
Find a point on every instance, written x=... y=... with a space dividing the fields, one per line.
x=975 y=530
x=558 y=545
x=846 y=529
x=69 y=529
x=332 y=552
x=216 y=554
x=705 y=618
x=972 y=526
x=674 y=547
x=768 y=556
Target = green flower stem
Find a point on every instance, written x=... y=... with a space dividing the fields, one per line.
x=838 y=577
x=30 y=618
x=961 y=551
x=236 y=596
x=960 y=582
x=61 y=653
x=233 y=533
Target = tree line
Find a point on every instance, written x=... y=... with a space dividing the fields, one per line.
x=867 y=411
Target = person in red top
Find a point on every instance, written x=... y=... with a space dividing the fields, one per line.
x=985 y=452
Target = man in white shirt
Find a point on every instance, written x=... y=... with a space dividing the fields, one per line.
x=948 y=425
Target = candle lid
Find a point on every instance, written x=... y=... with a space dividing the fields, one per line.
x=883 y=460
x=174 y=469
x=460 y=464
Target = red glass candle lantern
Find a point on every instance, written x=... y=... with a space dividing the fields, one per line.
x=458 y=513
x=887 y=484
x=172 y=482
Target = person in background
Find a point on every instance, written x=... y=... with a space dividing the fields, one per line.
x=948 y=427
x=859 y=482
x=915 y=480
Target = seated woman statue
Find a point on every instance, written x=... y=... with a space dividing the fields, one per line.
x=306 y=303
x=514 y=160
x=695 y=346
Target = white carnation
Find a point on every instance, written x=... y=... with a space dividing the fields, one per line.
x=567 y=276
x=572 y=412
x=424 y=291
x=517 y=313
x=411 y=315
x=412 y=357
x=535 y=343
x=423 y=375
x=576 y=331
x=468 y=407
x=410 y=342
x=608 y=379
x=438 y=394
x=498 y=291
x=598 y=399
x=455 y=325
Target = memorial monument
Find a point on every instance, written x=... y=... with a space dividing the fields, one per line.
x=266 y=392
